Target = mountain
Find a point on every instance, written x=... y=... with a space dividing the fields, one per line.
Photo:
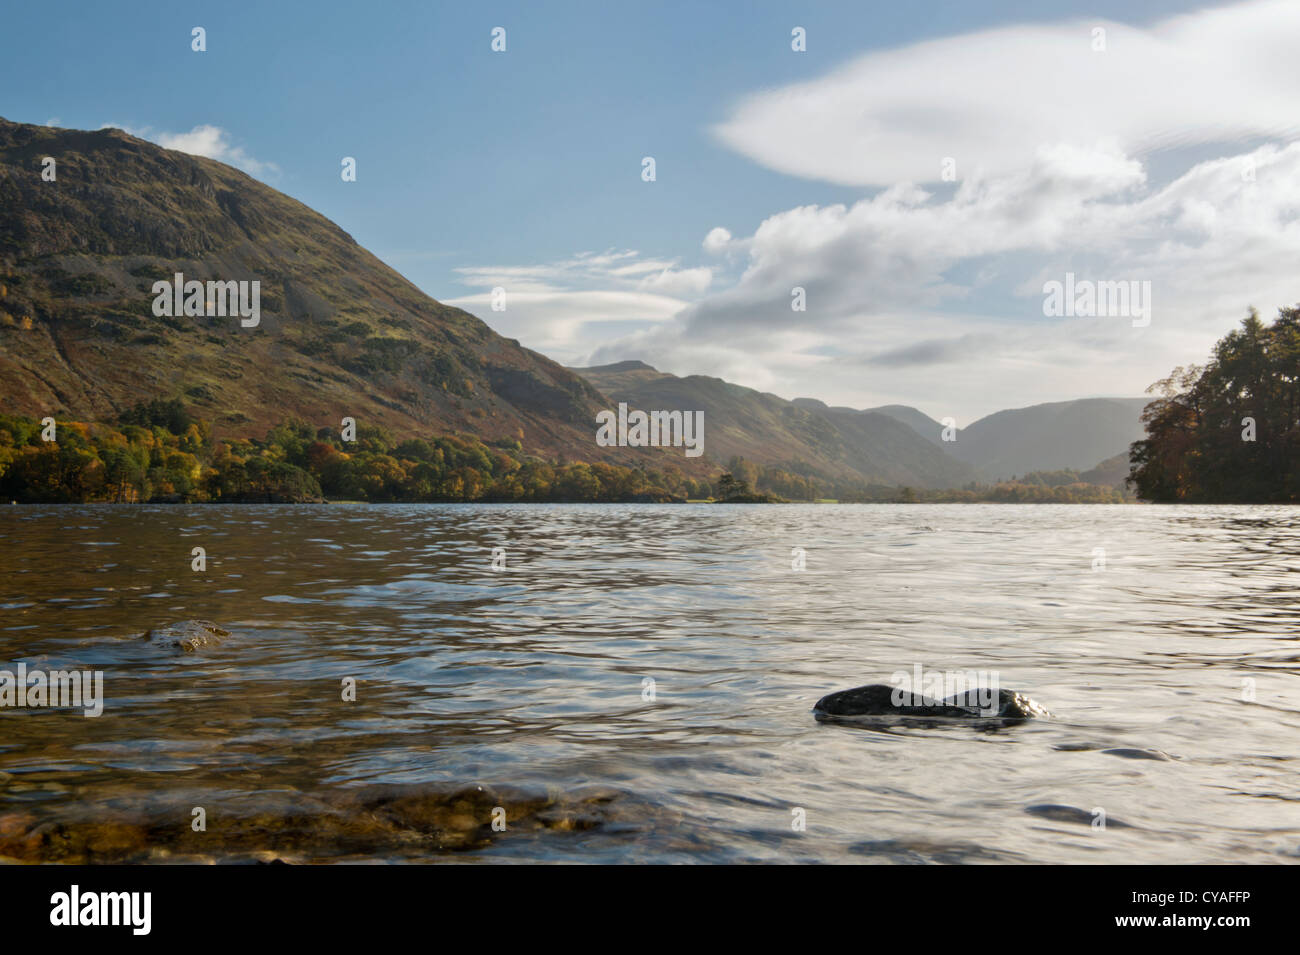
x=918 y=421
x=1054 y=436
x=1112 y=472
x=1062 y=434
x=804 y=436
x=340 y=334
x=880 y=445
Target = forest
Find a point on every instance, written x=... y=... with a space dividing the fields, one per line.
x=158 y=452
x=1227 y=432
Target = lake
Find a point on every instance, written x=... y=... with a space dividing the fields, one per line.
x=635 y=684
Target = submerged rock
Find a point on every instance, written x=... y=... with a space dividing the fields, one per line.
x=877 y=700
x=406 y=821
x=187 y=635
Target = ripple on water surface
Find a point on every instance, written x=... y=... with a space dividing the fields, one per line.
x=1170 y=673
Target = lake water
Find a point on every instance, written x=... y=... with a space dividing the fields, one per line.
x=521 y=693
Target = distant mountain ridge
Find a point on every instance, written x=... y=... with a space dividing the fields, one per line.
x=804 y=436
x=1076 y=435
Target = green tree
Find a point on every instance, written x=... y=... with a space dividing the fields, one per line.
x=1228 y=431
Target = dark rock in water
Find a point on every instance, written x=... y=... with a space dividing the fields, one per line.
x=877 y=700
x=187 y=635
x=1010 y=704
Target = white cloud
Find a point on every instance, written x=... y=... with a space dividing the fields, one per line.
x=204 y=140
x=566 y=308
x=933 y=297
x=938 y=302
x=716 y=241
x=567 y=325
x=990 y=99
x=678 y=282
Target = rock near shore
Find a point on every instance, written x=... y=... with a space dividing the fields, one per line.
x=187 y=635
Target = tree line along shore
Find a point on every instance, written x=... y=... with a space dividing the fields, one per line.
x=1224 y=432
x=158 y=453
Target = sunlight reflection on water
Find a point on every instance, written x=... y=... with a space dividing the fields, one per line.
x=532 y=677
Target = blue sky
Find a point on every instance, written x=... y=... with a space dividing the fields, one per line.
x=522 y=169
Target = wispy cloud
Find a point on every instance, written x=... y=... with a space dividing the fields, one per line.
x=566 y=308
x=625 y=269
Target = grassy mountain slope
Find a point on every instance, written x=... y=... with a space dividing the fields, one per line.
x=918 y=421
x=341 y=333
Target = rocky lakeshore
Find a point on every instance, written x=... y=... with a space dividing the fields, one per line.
x=414 y=821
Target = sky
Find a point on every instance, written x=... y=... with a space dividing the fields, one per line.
x=921 y=171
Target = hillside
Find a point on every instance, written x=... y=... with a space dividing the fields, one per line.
x=918 y=421
x=1089 y=433
x=880 y=445
x=1059 y=435
x=803 y=436
x=1112 y=472
x=341 y=333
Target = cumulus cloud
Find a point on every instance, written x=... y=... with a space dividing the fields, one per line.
x=716 y=241
x=204 y=140
x=924 y=299
x=678 y=282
